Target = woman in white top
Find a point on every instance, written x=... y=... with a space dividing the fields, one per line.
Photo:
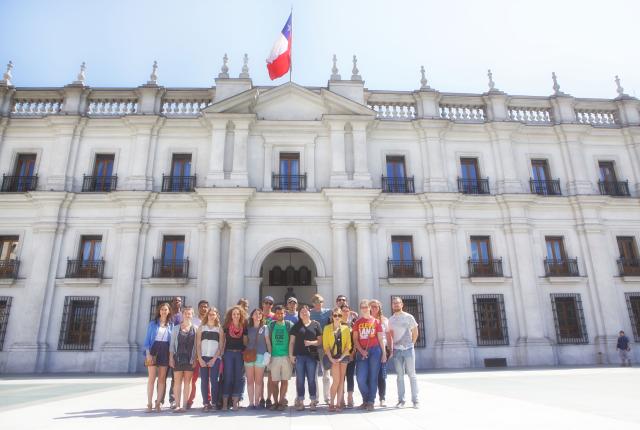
x=387 y=344
x=208 y=347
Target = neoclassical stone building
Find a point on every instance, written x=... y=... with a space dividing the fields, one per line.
x=508 y=223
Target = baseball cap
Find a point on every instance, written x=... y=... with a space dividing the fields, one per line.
x=292 y=299
x=268 y=299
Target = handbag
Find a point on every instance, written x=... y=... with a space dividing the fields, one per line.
x=249 y=355
x=150 y=361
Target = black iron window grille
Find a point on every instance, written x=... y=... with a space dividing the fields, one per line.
x=164 y=268
x=491 y=319
x=404 y=268
x=473 y=186
x=614 y=188
x=288 y=182
x=568 y=317
x=629 y=267
x=485 y=268
x=156 y=300
x=545 y=187
x=413 y=305
x=633 y=305
x=561 y=267
x=78 y=327
x=397 y=184
x=9 y=269
x=85 y=268
x=19 y=184
x=5 y=308
x=99 y=183
x=178 y=184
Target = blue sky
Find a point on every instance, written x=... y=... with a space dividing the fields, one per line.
x=585 y=42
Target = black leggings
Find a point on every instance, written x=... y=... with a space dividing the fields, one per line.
x=351 y=370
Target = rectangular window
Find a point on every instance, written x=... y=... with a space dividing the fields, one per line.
x=289 y=163
x=402 y=248
x=607 y=171
x=396 y=167
x=413 y=306
x=78 y=323
x=555 y=248
x=103 y=167
x=627 y=248
x=481 y=249
x=289 y=177
x=90 y=248
x=172 y=248
x=491 y=319
x=156 y=300
x=5 y=308
x=181 y=165
x=469 y=168
x=540 y=170
x=25 y=165
x=633 y=304
x=569 y=319
x=8 y=247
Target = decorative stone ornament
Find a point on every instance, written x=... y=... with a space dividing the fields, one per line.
x=81 y=78
x=492 y=84
x=6 y=78
x=335 y=76
x=245 y=67
x=423 y=79
x=153 y=78
x=224 y=70
x=556 y=86
x=355 y=76
x=619 y=88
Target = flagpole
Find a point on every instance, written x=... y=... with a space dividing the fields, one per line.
x=291 y=47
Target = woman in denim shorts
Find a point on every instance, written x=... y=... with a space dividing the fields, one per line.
x=259 y=340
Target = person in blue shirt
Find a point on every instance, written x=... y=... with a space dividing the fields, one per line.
x=623 y=349
x=291 y=314
x=323 y=316
x=156 y=353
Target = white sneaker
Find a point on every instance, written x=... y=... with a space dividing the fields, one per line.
x=382 y=403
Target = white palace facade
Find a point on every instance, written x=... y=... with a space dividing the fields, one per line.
x=509 y=224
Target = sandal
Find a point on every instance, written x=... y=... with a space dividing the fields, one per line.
x=149 y=408
x=158 y=405
x=332 y=408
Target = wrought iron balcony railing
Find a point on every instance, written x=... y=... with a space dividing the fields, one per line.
x=178 y=184
x=485 y=268
x=629 y=267
x=9 y=269
x=545 y=187
x=19 y=184
x=404 y=268
x=397 y=185
x=99 y=183
x=614 y=188
x=565 y=267
x=85 y=268
x=473 y=186
x=288 y=182
x=170 y=268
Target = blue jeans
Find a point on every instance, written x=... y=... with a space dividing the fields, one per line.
x=406 y=361
x=306 y=367
x=233 y=365
x=209 y=377
x=367 y=373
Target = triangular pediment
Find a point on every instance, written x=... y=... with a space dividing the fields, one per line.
x=288 y=102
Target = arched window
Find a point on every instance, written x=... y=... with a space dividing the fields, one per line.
x=305 y=275
x=290 y=274
x=276 y=276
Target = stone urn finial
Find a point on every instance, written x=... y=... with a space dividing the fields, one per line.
x=224 y=70
x=245 y=67
x=335 y=76
x=355 y=73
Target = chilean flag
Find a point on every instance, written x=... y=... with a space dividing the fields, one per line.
x=279 y=60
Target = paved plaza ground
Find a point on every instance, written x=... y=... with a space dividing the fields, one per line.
x=558 y=398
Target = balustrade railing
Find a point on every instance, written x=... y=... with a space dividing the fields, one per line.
x=176 y=268
x=176 y=184
x=184 y=107
x=288 y=182
x=629 y=267
x=84 y=268
x=400 y=111
x=463 y=113
x=404 y=268
x=397 y=185
x=530 y=115
x=36 y=107
x=9 y=269
x=485 y=268
x=99 y=183
x=19 y=184
x=545 y=187
x=112 y=106
x=614 y=188
x=473 y=186
x=565 y=267
x=597 y=117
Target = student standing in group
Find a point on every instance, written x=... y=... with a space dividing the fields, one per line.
x=176 y=316
x=322 y=315
x=260 y=345
x=367 y=337
x=280 y=365
x=387 y=345
x=267 y=317
x=156 y=349
x=235 y=340
x=351 y=366
x=209 y=343
x=182 y=357
x=291 y=313
x=342 y=300
x=336 y=342
x=306 y=340
x=405 y=333
x=203 y=308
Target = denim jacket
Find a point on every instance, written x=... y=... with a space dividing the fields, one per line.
x=152 y=331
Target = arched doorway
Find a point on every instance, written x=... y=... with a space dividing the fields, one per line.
x=288 y=271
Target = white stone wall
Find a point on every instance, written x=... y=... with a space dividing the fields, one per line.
x=343 y=222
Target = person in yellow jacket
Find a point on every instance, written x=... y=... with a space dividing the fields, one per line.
x=336 y=342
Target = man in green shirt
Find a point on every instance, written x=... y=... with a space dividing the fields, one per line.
x=280 y=366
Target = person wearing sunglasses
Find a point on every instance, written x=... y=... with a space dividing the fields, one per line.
x=322 y=315
x=336 y=341
x=351 y=366
x=368 y=338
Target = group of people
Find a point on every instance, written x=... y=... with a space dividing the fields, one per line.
x=242 y=349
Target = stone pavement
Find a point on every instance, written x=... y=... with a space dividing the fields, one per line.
x=559 y=398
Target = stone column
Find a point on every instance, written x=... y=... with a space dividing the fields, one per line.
x=215 y=173
x=361 y=174
x=116 y=350
x=310 y=165
x=508 y=181
x=364 y=260
x=235 y=268
x=239 y=173
x=139 y=156
x=210 y=282
x=432 y=155
x=340 y=258
x=268 y=166
x=573 y=158
x=533 y=346
x=632 y=142
x=338 y=162
x=58 y=159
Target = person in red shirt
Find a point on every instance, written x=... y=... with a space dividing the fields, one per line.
x=368 y=338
